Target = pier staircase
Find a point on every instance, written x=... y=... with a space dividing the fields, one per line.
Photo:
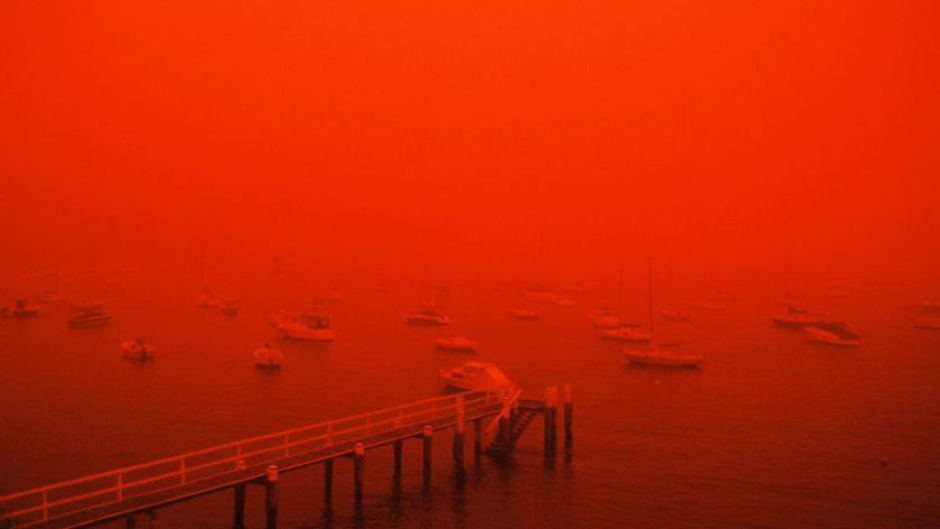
x=504 y=441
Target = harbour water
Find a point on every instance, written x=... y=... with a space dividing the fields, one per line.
x=772 y=432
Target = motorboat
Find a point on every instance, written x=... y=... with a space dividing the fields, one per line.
x=307 y=327
x=798 y=317
x=833 y=333
x=456 y=343
x=427 y=317
x=930 y=316
x=229 y=308
x=137 y=350
x=89 y=318
x=21 y=309
x=266 y=356
x=523 y=314
x=562 y=301
x=627 y=334
x=475 y=376
x=657 y=357
x=676 y=315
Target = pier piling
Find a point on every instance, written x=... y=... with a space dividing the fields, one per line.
x=397 y=450
x=426 y=434
x=271 y=497
x=131 y=521
x=550 y=412
x=569 y=415
x=359 y=456
x=328 y=483
x=478 y=436
x=154 y=519
x=240 y=491
x=459 y=436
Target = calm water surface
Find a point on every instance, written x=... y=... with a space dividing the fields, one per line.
x=773 y=432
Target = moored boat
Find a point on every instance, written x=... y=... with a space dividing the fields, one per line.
x=833 y=333
x=523 y=314
x=456 y=343
x=268 y=357
x=627 y=334
x=930 y=316
x=475 y=376
x=657 y=357
x=427 y=317
x=21 y=309
x=676 y=315
x=307 y=327
x=89 y=318
x=137 y=350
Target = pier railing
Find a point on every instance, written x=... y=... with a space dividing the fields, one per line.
x=51 y=501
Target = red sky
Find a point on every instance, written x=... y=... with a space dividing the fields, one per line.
x=476 y=136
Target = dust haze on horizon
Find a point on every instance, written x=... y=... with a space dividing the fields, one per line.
x=532 y=142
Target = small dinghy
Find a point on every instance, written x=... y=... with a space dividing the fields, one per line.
x=627 y=334
x=229 y=308
x=456 y=343
x=427 y=317
x=137 y=350
x=833 y=333
x=523 y=314
x=266 y=356
x=89 y=318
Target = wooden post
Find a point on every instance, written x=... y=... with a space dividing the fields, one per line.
x=240 y=490
x=270 y=497
x=551 y=408
x=154 y=519
x=426 y=440
x=359 y=456
x=459 y=435
x=569 y=416
x=131 y=521
x=328 y=482
x=397 y=450
x=478 y=436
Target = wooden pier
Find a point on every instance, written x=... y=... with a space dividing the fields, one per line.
x=141 y=490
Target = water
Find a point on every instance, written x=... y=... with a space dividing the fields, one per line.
x=773 y=432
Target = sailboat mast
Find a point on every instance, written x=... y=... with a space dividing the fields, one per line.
x=651 y=294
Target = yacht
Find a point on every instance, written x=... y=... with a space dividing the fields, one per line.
x=523 y=314
x=137 y=350
x=475 y=376
x=266 y=356
x=308 y=327
x=456 y=343
x=658 y=357
x=833 y=333
x=21 y=309
x=676 y=315
x=89 y=318
x=427 y=317
x=627 y=334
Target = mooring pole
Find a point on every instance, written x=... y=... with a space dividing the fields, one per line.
x=569 y=415
x=478 y=436
x=270 y=497
x=240 y=490
x=551 y=405
x=459 y=435
x=426 y=434
x=328 y=483
x=359 y=456
x=397 y=451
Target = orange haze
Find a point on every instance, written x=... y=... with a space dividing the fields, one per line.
x=535 y=141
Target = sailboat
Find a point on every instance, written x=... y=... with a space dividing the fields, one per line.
x=658 y=355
